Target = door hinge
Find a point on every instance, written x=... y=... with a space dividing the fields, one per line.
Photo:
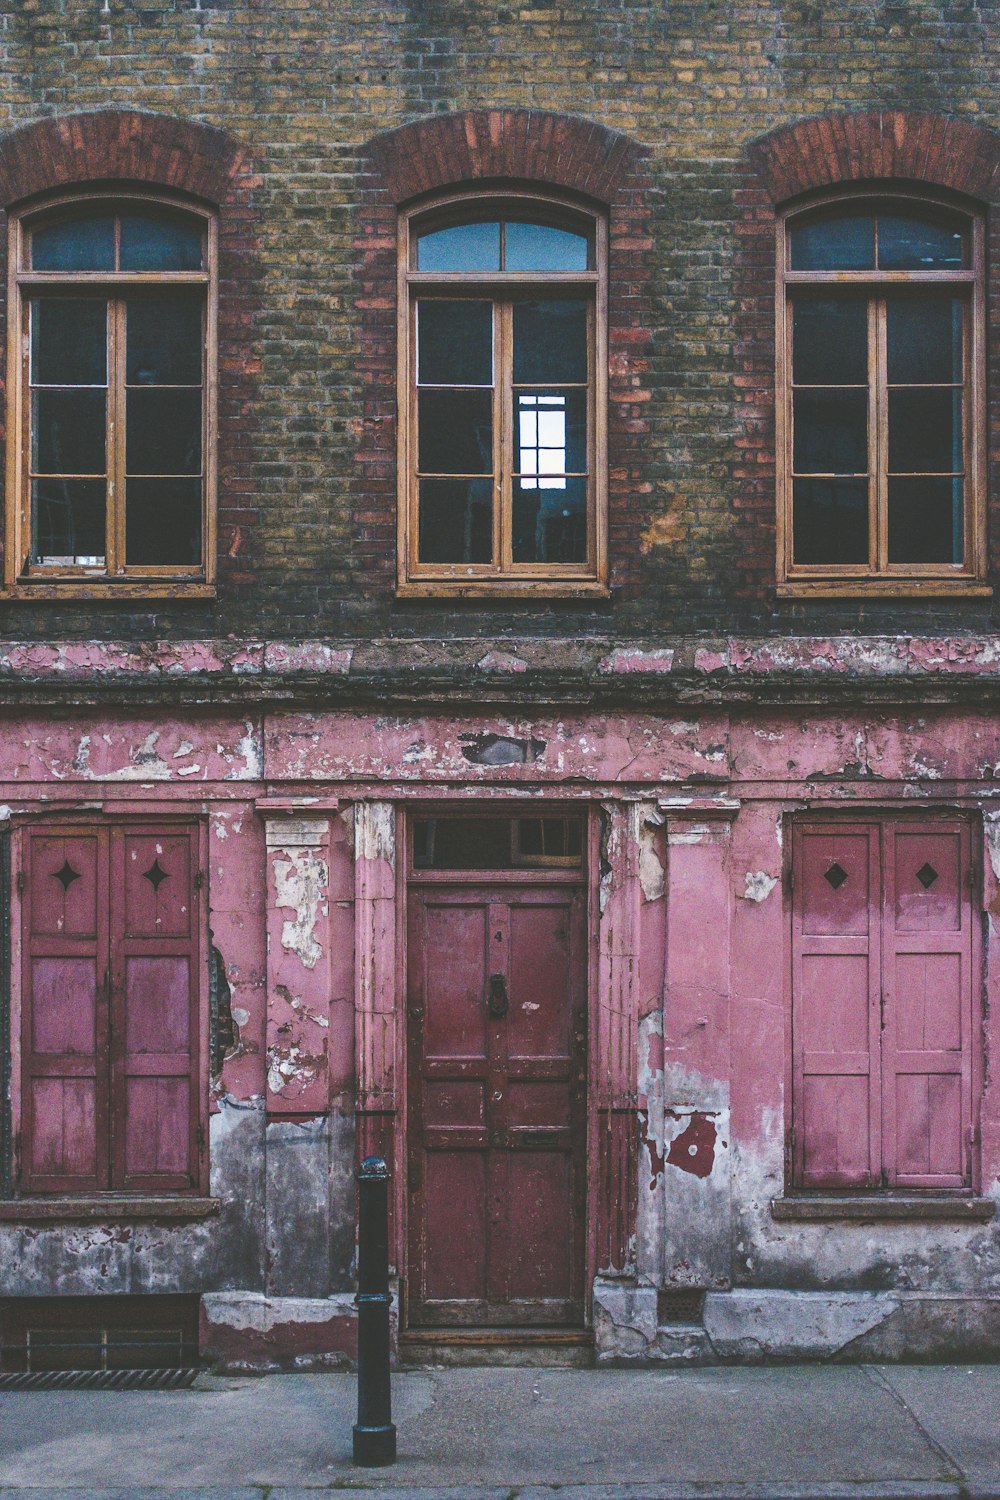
x=789 y=880
x=789 y=1152
x=20 y=883
x=881 y=1010
x=199 y=879
x=201 y=1139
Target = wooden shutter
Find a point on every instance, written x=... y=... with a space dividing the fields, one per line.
x=64 y=1023
x=927 y=1037
x=835 y=1006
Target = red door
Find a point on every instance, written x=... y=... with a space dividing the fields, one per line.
x=497 y=1111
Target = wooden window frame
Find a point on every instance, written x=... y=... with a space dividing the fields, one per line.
x=22 y=580
x=461 y=580
x=885 y=580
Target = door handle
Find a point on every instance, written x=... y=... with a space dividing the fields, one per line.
x=497 y=1001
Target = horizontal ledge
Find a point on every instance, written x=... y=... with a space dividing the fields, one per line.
x=877 y=1210
x=485 y=590
x=911 y=588
x=108 y=591
x=109 y=1209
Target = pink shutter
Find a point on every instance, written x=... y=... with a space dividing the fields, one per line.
x=835 y=1005
x=155 y=988
x=927 y=1038
x=64 y=1012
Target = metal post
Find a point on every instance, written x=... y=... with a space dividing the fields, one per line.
x=374 y=1433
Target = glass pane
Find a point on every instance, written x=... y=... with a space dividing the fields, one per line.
x=83 y=244
x=456 y=521
x=925 y=432
x=829 y=341
x=164 y=340
x=830 y=521
x=845 y=242
x=551 y=436
x=540 y=247
x=163 y=432
x=550 y=520
x=69 y=341
x=163 y=523
x=456 y=432
x=68 y=432
x=907 y=242
x=924 y=338
x=150 y=242
x=464 y=247
x=462 y=844
x=550 y=342
x=831 y=432
x=68 y=519
x=926 y=521
x=550 y=838
x=454 y=342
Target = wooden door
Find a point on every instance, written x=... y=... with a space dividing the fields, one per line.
x=497 y=1108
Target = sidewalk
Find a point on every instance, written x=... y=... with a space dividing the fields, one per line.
x=882 y=1433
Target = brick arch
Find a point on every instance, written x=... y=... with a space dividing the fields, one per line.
x=118 y=145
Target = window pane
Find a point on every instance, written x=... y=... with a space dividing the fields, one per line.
x=150 y=242
x=456 y=521
x=464 y=247
x=550 y=520
x=842 y=243
x=925 y=432
x=829 y=341
x=540 y=247
x=830 y=521
x=924 y=337
x=83 y=244
x=164 y=340
x=550 y=342
x=69 y=341
x=456 y=432
x=907 y=242
x=68 y=520
x=163 y=430
x=926 y=521
x=551 y=435
x=163 y=523
x=831 y=432
x=462 y=844
x=68 y=432
x=454 y=342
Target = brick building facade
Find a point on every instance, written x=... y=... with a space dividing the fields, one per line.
x=499 y=669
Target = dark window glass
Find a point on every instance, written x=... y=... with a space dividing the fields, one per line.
x=463 y=247
x=68 y=521
x=926 y=521
x=454 y=342
x=68 y=432
x=542 y=247
x=907 y=242
x=550 y=521
x=924 y=340
x=164 y=340
x=483 y=843
x=456 y=521
x=551 y=433
x=925 y=432
x=69 y=341
x=163 y=431
x=550 y=838
x=830 y=521
x=550 y=342
x=163 y=523
x=456 y=432
x=86 y=243
x=830 y=432
x=844 y=242
x=150 y=242
x=829 y=341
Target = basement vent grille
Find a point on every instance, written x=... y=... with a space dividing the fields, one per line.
x=680 y=1306
x=99 y=1380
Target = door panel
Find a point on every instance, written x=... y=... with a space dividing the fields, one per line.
x=497 y=1109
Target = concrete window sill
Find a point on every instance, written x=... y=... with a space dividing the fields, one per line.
x=111 y=1209
x=871 y=1210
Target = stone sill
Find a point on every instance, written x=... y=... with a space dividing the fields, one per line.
x=109 y=1209
x=870 y=1210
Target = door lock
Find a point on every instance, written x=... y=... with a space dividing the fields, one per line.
x=497 y=1002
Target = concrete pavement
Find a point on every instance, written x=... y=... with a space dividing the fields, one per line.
x=835 y=1432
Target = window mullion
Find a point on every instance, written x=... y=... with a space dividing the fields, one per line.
x=878 y=439
x=503 y=435
x=116 y=438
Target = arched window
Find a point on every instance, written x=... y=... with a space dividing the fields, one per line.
x=110 y=397
x=881 y=461
x=502 y=365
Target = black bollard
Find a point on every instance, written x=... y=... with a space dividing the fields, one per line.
x=374 y=1433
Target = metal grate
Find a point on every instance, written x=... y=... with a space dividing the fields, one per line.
x=680 y=1305
x=99 y=1380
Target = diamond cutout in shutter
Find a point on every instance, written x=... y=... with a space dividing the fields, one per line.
x=155 y=875
x=927 y=876
x=836 y=876
x=66 y=875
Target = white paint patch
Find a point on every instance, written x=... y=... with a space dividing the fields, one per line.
x=241 y=1016
x=300 y=884
x=250 y=748
x=81 y=760
x=5 y=812
x=375 y=831
x=759 y=886
x=992 y=822
x=652 y=877
x=184 y=748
